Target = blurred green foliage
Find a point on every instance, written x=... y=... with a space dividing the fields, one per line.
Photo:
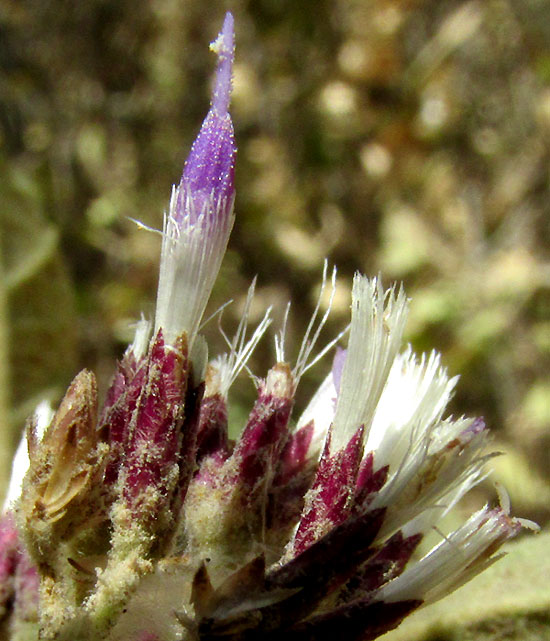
x=409 y=137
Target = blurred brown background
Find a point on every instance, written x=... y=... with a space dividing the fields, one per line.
x=407 y=137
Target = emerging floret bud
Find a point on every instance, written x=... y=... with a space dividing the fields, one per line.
x=200 y=218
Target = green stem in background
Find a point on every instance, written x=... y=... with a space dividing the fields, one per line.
x=5 y=419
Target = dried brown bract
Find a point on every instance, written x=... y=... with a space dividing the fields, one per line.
x=58 y=492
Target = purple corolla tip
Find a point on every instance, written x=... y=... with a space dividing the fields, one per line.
x=224 y=47
x=338 y=367
x=208 y=175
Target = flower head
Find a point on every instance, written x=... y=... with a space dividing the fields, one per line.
x=144 y=521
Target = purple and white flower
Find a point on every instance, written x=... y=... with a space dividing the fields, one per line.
x=145 y=521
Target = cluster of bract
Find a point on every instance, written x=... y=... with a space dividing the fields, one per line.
x=143 y=521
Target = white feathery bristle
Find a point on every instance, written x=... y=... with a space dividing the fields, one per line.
x=304 y=360
x=43 y=415
x=320 y=410
x=377 y=323
x=435 y=472
x=141 y=338
x=312 y=333
x=280 y=338
x=458 y=558
x=228 y=366
x=413 y=400
x=191 y=255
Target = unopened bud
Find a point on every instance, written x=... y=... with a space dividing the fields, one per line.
x=200 y=219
